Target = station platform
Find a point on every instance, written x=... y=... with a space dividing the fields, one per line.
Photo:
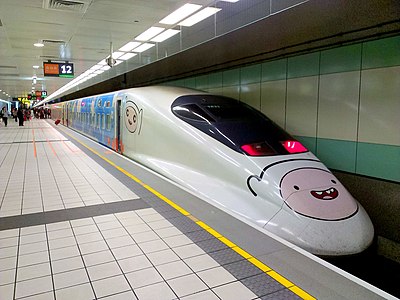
x=79 y=221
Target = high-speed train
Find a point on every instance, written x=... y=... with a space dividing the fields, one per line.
x=230 y=155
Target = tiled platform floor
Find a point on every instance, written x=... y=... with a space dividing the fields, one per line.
x=102 y=248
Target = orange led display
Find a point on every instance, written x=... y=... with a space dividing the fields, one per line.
x=50 y=69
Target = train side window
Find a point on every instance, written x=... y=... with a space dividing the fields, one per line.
x=98 y=121
x=93 y=119
x=108 y=121
x=103 y=121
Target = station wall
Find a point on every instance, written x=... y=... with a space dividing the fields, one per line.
x=342 y=103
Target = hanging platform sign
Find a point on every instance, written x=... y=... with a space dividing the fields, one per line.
x=54 y=69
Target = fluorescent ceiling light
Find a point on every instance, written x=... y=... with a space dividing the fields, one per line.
x=165 y=35
x=149 y=33
x=129 y=46
x=35 y=67
x=200 y=16
x=38 y=44
x=127 y=56
x=230 y=0
x=95 y=67
x=143 y=47
x=180 y=14
x=117 y=54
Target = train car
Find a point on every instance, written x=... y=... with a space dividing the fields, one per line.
x=232 y=156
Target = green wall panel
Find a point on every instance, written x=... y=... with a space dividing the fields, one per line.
x=202 y=82
x=303 y=65
x=250 y=74
x=376 y=160
x=274 y=70
x=231 y=77
x=381 y=53
x=215 y=80
x=343 y=59
x=190 y=83
x=337 y=154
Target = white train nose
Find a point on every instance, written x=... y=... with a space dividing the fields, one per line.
x=329 y=238
x=345 y=237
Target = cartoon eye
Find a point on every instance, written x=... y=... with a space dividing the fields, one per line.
x=333 y=181
x=131 y=119
x=296 y=187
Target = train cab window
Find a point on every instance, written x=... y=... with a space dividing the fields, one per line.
x=235 y=124
x=192 y=112
x=107 y=104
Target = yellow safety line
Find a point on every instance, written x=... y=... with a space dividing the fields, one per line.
x=282 y=280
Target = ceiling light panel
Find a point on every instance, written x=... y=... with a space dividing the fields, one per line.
x=200 y=16
x=127 y=56
x=180 y=14
x=165 y=35
x=144 y=47
x=129 y=46
x=149 y=33
x=117 y=54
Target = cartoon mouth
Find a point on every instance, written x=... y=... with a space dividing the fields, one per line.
x=328 y=194
x=130 y=122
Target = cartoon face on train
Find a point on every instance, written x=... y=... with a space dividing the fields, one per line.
x=311 y=192
x=133 y=114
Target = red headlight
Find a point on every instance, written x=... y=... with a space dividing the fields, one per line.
x=258 y=149
x=294 y=147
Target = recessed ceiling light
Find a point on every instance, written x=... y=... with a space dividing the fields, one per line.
x=180 y=14
x=38 y=44
x=200 y=16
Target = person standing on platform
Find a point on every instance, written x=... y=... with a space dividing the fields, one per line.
x=5 y=115
x=14 y=113
x=20 y=116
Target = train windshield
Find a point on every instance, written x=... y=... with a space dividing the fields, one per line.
x=235 y=124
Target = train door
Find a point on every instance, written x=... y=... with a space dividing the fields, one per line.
x=118 y=126
x=66 y=113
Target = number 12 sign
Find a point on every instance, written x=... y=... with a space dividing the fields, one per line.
x=58 y=69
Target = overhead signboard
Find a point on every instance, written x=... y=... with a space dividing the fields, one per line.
x=55 y=69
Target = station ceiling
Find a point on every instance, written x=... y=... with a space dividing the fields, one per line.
x=77 y=31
